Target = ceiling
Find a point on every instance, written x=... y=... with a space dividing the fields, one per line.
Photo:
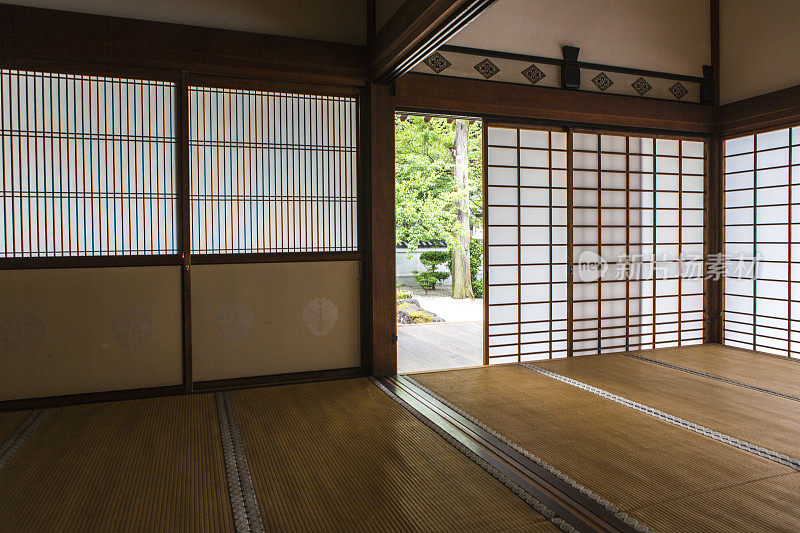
x=343 y=21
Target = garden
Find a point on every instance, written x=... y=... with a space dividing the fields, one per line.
x=438 y=191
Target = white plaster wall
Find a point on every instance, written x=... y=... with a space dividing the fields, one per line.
x=759 y=47
x=666 y=35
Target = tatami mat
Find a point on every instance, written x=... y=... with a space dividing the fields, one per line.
x=769 y=421
x=341 y=454
x=764 y=505
x=770 y=372
x=143 y=465
x=628 y=457
x=10 y=422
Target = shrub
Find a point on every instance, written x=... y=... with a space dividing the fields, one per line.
x=477 y=288
x=428 y=279
x=434 y=258
x=403 y=294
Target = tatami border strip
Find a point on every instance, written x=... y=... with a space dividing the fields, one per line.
x=617 y=512
x=760 y=451
x=246 y=514
x=534 y=503
x=18 y=438
x=714 y=376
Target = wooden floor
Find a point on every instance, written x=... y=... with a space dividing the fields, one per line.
x=422 y=347
x=658 y=469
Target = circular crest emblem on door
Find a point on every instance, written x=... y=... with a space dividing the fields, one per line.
x=132 y=327
x=320 y=315
x=233 y=321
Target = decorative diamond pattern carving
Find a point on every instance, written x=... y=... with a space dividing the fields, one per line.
x=437 y=62
x=533 y=74
x=678 y=90
x=602 y=81
x=641 y=86
x=487 y=69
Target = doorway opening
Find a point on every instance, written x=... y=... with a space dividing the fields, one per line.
x=439 y=208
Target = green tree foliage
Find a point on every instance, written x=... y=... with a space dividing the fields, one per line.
x=425 y=208
x=475 y=261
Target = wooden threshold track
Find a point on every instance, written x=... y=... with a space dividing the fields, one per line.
x=342 y=455
x=568 y=502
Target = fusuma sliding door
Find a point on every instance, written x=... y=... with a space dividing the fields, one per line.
x=275 y=258
x=594 y=243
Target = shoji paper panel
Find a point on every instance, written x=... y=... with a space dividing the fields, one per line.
x=256 y=319
x=638 y=243
x=272 y=172
x=86 y=166
x=527 y=244
x=632 y=237
x=762 y=229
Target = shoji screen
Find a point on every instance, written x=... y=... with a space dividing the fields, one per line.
x=87 y=166
x=90 y=276
x=272 y=172
x=273 y=201
x=626 y=216
x=638 y=243
x=527 y=244
x=762 y=278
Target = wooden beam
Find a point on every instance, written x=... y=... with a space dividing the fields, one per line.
x=712 y=229
x=771 y=110
x=415 y=31
x=42 y=38
x=466 y=97
x=381 y=219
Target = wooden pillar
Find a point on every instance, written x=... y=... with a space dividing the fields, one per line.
x=712 y=289
x=379 y=273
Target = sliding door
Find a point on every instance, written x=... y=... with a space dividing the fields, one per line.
x=158 y=232
x=638 y=256
x=90 y=277
x=594 y=243
x=762 y=269
x=526 y=243
x=273 y=203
